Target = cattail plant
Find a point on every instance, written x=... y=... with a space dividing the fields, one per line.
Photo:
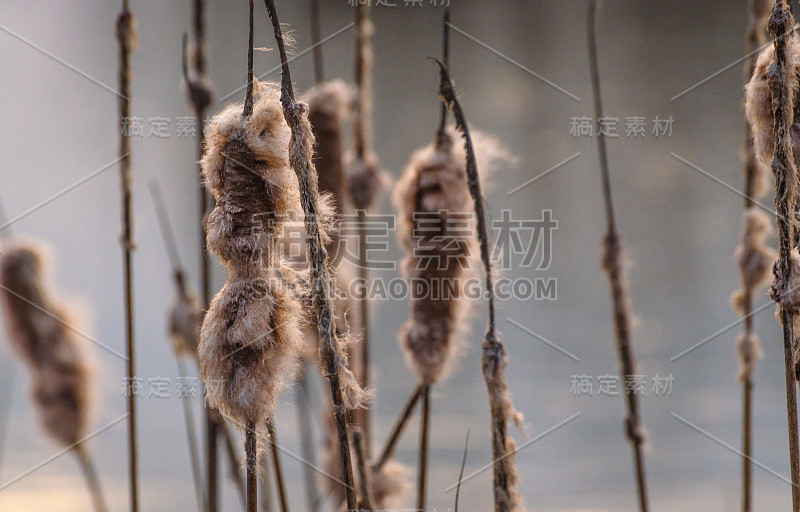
x=250 y=338
x=493 y=359
x=772 y=97
x=752 y=255
x=346 y=394
x=611 y=258
x=200 y=92
x=41 y=333
x=364 y=181
x=126 y=37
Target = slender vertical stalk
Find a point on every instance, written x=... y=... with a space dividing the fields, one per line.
x=440 y=132
x=366 y=503
x=323 y=283
x=191 y=437
x=362 y=142
x=304 y=409
x=782 y=88
x=265 y=498
x=252 y=467
x=493 y=358
x=200 y=92
x=619 y=289
x=424 y=431
x=397 y=430
x=276 y=465
x=92 y=482
x=234 y=462
x=126 y=36
x=754 y=39
x=319 y=71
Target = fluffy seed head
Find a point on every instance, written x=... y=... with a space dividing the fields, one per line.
x=250 y=337
x=42 y=334
x=758 y=102
x=436 y=226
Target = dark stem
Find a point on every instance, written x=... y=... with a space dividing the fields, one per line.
x=461 y=471
x=782 y=89
x=167 y=235
x=212 y=458
x=363 y=415
x=92 y=481
x=397 y=430
x=191 y=437
x=754 y=39
x=125 y=37
x=424 y=431
x=747 y=444
x=448 y=97
x=362 y=79
x=446 y=62
x=319 y=75
x=304 y=412
x=248 y=97
x=199 y=25
x=613 y=266
x=366 y=503
x=322 y=280
x=276 y=465
x=234 y=462
x=252 y=466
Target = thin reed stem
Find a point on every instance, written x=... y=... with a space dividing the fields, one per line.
x=252 y=467
x=782 y=88
x=200 y=93
x=233 y=461
x=126 y=36
x=397 y=430
x=304 y=411
x=612 y=255
x=362 y=142
x=322 y=281
x=265 y=497
x=493 y=358
x=461 y=471
x=319 y=71
x=276 y=465
x=424 y=431
x=90 y=474
x=191 y=437
x=440 y=132
x=366 y=503
x=754 y=39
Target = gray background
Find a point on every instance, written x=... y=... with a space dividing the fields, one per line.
x=680 y=227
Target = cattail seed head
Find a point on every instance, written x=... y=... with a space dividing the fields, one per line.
x=41 y=332
x=432 y=194
x=754 y=257
x=250 y=337
x=758 y=101
x=748 y=350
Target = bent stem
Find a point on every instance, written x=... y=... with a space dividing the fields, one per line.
x=397 y=430
x=612 y=253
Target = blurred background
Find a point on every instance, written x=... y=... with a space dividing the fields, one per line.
x=681 y=227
